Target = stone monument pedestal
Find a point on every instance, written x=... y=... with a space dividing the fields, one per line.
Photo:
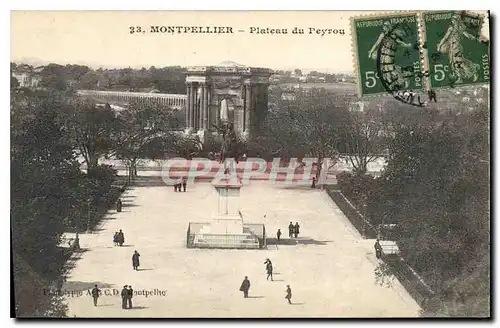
x=226 y=229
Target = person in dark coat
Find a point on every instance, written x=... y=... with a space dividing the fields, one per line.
x=288 y=294
x=95 y=294
x=135 y=260
x=291 y=230
x=184 y=184
x=296 y=229
x=278 y=234
x=378 y=249
x=245 y=286
x=124 y=295
x=121 y=238
x=269 y=269
x=313 y=185
x=118 y=205
x=130 y=293
x=175 y=187
x=115 y=238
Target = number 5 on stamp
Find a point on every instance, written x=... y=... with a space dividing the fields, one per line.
x=456 y=56
x=387 y=53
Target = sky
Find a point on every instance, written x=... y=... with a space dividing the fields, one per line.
x=103 y=39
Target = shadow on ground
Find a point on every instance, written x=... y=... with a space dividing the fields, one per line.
x=73 y=286
x=296 y=241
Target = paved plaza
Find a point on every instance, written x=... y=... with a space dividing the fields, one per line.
x=330 y=269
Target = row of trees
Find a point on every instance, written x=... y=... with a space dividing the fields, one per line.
x=436 y=189
x=63 y=77
x=319 y=124
x=51 y=133
x=435 y=186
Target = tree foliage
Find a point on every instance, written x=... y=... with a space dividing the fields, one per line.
x=145 y=131
x=436 y=189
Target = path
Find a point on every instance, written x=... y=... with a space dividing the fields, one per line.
x=331 y=273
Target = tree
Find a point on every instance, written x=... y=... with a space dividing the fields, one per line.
x=306 y=127
x=298 y=72
x=14 y=83
x=365 y=137
x=54 y=77
x=44 y=176
x=91 y=127
x=145 y=132
x=436 y=189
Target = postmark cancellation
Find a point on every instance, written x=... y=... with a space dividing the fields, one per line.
x=410 y=52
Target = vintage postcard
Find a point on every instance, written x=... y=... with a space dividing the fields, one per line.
x=250 y=164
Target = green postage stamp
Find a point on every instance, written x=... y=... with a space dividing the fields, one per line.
x=411 y=52
x=456 y=55
x=387 y=53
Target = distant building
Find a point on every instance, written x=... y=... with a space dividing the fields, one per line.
x=27 y=76
x=289 y=96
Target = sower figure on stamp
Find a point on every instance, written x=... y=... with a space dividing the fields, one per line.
x=378 y=249
x=397 y=74
x=291 y=230
x=269 y=269
x=245 y=286
x=451 y=43
x=135 y=260
x=95 y=294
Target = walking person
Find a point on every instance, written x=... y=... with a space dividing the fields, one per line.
x=278 y=234
x=269 y=269
x=313 y=185
x=291 y=229
x=184 y=184
x=288 y=294
x=124 y=295
x=121 y=238
x=130 y=293
x=378 y=249
x=118 y=205
x=135 y=260
x=115 y=238
x=95 y=294
x=175 y=186
x=296 y=229
x=245 y=286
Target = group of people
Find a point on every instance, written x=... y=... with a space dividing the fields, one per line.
x=126 y=294
x=182 y=184
x=245 y=285
x=293 y=231
x=119 y=238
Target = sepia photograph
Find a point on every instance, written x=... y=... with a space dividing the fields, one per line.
x=250 y=164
